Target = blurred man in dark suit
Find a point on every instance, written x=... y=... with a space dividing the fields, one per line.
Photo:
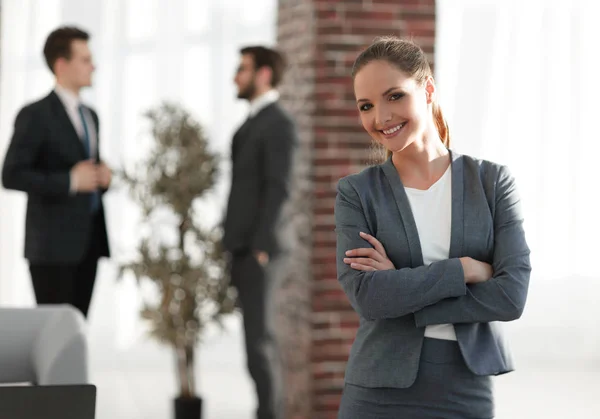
x=54 y=158
x=261 y=153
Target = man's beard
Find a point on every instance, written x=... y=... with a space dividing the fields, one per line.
x=248 y=92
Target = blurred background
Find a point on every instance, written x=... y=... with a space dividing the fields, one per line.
x=517 y=83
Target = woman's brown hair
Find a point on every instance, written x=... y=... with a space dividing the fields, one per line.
x=409 y=58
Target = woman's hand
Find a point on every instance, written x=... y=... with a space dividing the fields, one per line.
x=476 y=271
x=369 y=259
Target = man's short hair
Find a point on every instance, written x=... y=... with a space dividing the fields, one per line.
x=58 y=43
x=267 y=57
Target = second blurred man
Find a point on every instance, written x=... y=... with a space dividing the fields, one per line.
x=261 y=154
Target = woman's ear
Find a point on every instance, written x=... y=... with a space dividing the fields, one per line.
x=430 y=90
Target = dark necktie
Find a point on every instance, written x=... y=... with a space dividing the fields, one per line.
x=95 y=198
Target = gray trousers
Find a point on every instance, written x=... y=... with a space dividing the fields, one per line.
x=255 y=288
x=444 y=388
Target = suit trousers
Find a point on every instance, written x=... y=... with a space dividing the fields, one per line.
x=256 y=298
x=69 y=283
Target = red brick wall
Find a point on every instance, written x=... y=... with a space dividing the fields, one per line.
x=321 y=40
x=296 y=34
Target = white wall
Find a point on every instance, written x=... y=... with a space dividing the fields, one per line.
x=517 y=82
x=146 y=51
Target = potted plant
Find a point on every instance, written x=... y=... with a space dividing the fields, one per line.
x=180 y=256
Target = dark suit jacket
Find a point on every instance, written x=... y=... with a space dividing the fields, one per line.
x=44 y=148
x=261 y=156
x=395 y=306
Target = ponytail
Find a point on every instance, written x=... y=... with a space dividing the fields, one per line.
x=441 y=124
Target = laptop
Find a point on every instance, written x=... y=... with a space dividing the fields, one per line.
x=48 y=402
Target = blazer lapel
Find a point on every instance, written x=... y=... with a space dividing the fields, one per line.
x=238 y=137
x=63 y=117
x=408 y=220
x=406 y=216
x=458 y=206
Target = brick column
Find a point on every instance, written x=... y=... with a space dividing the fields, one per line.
x=321 y=40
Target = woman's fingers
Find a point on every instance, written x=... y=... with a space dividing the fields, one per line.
x=367 y=258
x=367 y=252
x=376 y=243
x=362 y=261
x=360 y=267
x=372 y=264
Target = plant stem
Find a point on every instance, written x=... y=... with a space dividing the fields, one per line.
x=185 y=370
x=190 y=369
x=185 y=389
x=182 y=227
x=185 y=353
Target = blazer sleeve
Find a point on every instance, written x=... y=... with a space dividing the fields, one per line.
x=391 y=293
x=279 y=142
x=501 y=298
x=19 y=171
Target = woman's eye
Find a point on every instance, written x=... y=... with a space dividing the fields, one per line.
x=396 y=96
x=365 y=107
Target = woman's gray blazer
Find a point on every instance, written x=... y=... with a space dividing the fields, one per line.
x=395 y=305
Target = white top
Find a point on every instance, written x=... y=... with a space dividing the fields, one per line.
x=263 y=101
x=432 y=210
x=71 y=103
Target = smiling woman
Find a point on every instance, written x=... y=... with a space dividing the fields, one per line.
x=430 y=252
x=398 y=77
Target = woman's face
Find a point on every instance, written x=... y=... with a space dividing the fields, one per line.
x=394 y=108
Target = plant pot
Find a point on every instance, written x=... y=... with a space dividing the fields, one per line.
x=188 y=408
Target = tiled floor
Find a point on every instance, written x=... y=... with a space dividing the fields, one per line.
x=549 y=392
x=141 y=382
